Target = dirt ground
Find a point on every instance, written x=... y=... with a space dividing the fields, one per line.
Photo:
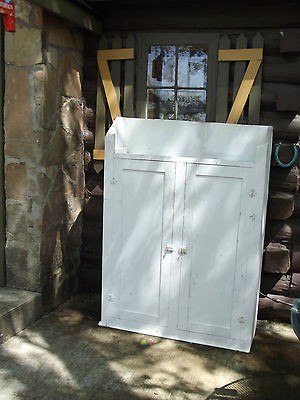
x=66 y=355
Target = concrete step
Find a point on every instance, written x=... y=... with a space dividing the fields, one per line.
x=18 y=309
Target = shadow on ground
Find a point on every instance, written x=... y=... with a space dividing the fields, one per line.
x=65 y=355
x=266 y=386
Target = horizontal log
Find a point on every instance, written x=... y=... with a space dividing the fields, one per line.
x=283 y=231
x=90 y=64
x=91 y=240
x=289 y=40
x=89 y=89
x=286 y=124
x=90 y=260
x=296 y=259
x=296 y=212
x=268 y=309
x=276 y=259
x=280 y=205
x=89 y=84
x=91 y=43
x=94 y=184
x=89 y=115
x=287 y=136
x=288 y=72
x=90 y=99
x=271 y=42
x=284 y=179
x=285 y=289
x=278 y=58
x=280 y=97
x=200 y=15
x=89 y=77
x=269 y=96
x=90 y=279
x=288 y=98
x=286 y=285
x=93 y=209
x=268 y=282
x=88 y=138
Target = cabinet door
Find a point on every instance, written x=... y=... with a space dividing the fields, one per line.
x=136 y=268
x=211 y=279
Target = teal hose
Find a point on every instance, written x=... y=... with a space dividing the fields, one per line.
x=295 y=317
x=290 y=163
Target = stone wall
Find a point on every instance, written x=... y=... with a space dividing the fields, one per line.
x=43 y=125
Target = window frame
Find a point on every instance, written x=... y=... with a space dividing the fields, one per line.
x=209 y=41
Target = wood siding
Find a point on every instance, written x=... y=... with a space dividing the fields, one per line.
x=91 y=251
x=276 y=104
x=279 y=108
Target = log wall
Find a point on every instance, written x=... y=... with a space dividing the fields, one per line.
x=279 y=107
x=91 y=250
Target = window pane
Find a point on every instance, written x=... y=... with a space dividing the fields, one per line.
x=161 y=66
x=192 y=67
x=161 y=103
x=191 y=105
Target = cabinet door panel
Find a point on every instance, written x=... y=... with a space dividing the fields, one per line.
x=213 y=212
x=145 y=192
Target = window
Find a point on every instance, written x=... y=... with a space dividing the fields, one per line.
x=176 y=77
x=176 y=83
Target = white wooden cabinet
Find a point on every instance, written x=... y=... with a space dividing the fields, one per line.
x=184 y=211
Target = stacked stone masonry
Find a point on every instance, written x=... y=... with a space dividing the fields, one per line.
x=43 y=125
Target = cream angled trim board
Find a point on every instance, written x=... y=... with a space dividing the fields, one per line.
x=103 y=56
x=98 y=154
x=255 y=58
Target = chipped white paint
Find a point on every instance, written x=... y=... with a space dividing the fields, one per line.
x=183 y=229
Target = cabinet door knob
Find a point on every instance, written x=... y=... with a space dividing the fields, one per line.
x=169 y=249
x=182 y=250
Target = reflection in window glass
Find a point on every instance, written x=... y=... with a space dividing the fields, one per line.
x=192 y=67
x=176 y=82
x=191 y=105
x=161 y=103
x=161 y=66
